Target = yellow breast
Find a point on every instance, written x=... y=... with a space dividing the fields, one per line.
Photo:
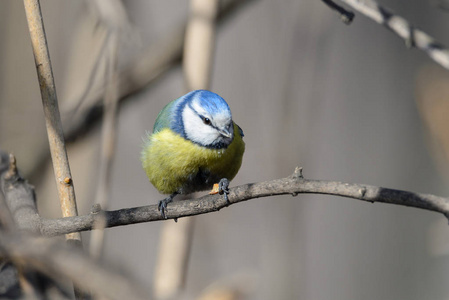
x=174 y=164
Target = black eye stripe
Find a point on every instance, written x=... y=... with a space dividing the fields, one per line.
x=207 y=121
x=203 y=118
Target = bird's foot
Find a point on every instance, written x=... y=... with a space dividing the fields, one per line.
x=162 y=206
x=223 y=189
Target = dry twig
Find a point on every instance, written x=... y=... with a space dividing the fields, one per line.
x=55 y=133
x=114 y=20
x=413 y=37
x=346 y=16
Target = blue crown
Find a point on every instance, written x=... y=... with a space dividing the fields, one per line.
x=210 y=101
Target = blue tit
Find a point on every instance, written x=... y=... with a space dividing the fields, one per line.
x=194 y=145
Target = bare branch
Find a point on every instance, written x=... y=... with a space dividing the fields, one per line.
x=346 y=16
x=55 y=133
x=413 y=37
x=292 y=185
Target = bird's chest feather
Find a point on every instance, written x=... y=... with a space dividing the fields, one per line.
x=174 y=164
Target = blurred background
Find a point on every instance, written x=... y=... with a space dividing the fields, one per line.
x=346 y=103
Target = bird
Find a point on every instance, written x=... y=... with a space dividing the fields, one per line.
x=194 y=144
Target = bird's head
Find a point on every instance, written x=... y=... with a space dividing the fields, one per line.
x=206 y=119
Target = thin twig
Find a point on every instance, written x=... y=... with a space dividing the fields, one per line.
x=346 y=16
x=107 y=146
x=64 y=181
x=292 y=185
x=114 y=24
x=413 y=37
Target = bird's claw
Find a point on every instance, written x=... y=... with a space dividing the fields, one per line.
x=162 y=206
x=223 y=189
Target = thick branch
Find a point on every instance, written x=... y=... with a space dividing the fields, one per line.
x=412 y=36
x=292 y=185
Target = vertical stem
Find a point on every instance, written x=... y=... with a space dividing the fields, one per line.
x=199 y=44
x=61 y=167
x=108 y=136
x=173 y=257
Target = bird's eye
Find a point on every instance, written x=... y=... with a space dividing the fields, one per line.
x=206 y=121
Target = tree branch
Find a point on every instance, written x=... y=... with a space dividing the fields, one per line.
x=293 y=185
x=413 y=37
x=345 y=15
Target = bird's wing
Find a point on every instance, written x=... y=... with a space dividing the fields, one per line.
x=164 y=117
x=240 y=130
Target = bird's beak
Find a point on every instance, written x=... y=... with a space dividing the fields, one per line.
x=226 y=132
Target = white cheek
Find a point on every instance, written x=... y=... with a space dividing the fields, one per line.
x=196 y=130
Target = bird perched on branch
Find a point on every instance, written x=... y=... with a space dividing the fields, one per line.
x=194 y=145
